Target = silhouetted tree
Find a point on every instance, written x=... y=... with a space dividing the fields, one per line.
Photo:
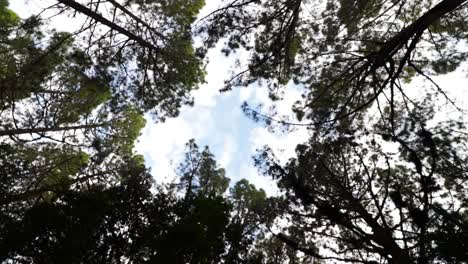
x=359 y=200
x=346 y=55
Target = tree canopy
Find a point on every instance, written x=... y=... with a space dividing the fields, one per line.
x=382 y=177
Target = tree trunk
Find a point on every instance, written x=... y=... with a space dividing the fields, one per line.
x=99 y=18
x=416 y=28
x=41 y=130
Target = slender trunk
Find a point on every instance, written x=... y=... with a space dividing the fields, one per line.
x=99 y=18
x=41 y=130
x=136 y=18
x=54 y=92
x=423 y=229
x=417 y=27
x=188 y=193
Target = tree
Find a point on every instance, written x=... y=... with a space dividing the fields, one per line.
x=71 y=188
x=91 y=219
x=380 y=180
x=373 y=204
x=199 y=173
x=52 y=211
x=60 y=129
x=201 y=212
x=133 y=43
x=251 y=212
x=65 y=148
x=92 y=224
x=348 y=55
x=56 y=87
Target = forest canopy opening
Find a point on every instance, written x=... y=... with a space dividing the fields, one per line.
x=381 y=176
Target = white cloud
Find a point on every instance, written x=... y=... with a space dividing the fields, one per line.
x=159 y=144
x=246 y=93
x=284 y=145
x=228 y=151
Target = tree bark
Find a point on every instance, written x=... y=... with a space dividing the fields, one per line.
x=416 y=28
x=40 y=130
x=99 y=18
x=136 y=18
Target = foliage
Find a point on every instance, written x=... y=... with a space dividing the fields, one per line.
x=199 y=173
x=74 y=218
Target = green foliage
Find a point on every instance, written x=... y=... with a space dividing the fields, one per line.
x=66 y=163
x=351 y=13
x=343 y=54
x=183 y=11
x=8 y=18
x=75 y=217
x=91 y=94
x=83 y=226
x=117 y=134
x=199 y=173
x=244 y=192
x=127 y=129
x=177 y=76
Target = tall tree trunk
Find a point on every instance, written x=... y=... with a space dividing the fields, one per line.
x=416 y=28
x=41 y=130
x=99 y=18
x=43 y=91
x=136 y=18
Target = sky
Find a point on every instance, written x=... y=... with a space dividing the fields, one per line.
x=216 y=120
